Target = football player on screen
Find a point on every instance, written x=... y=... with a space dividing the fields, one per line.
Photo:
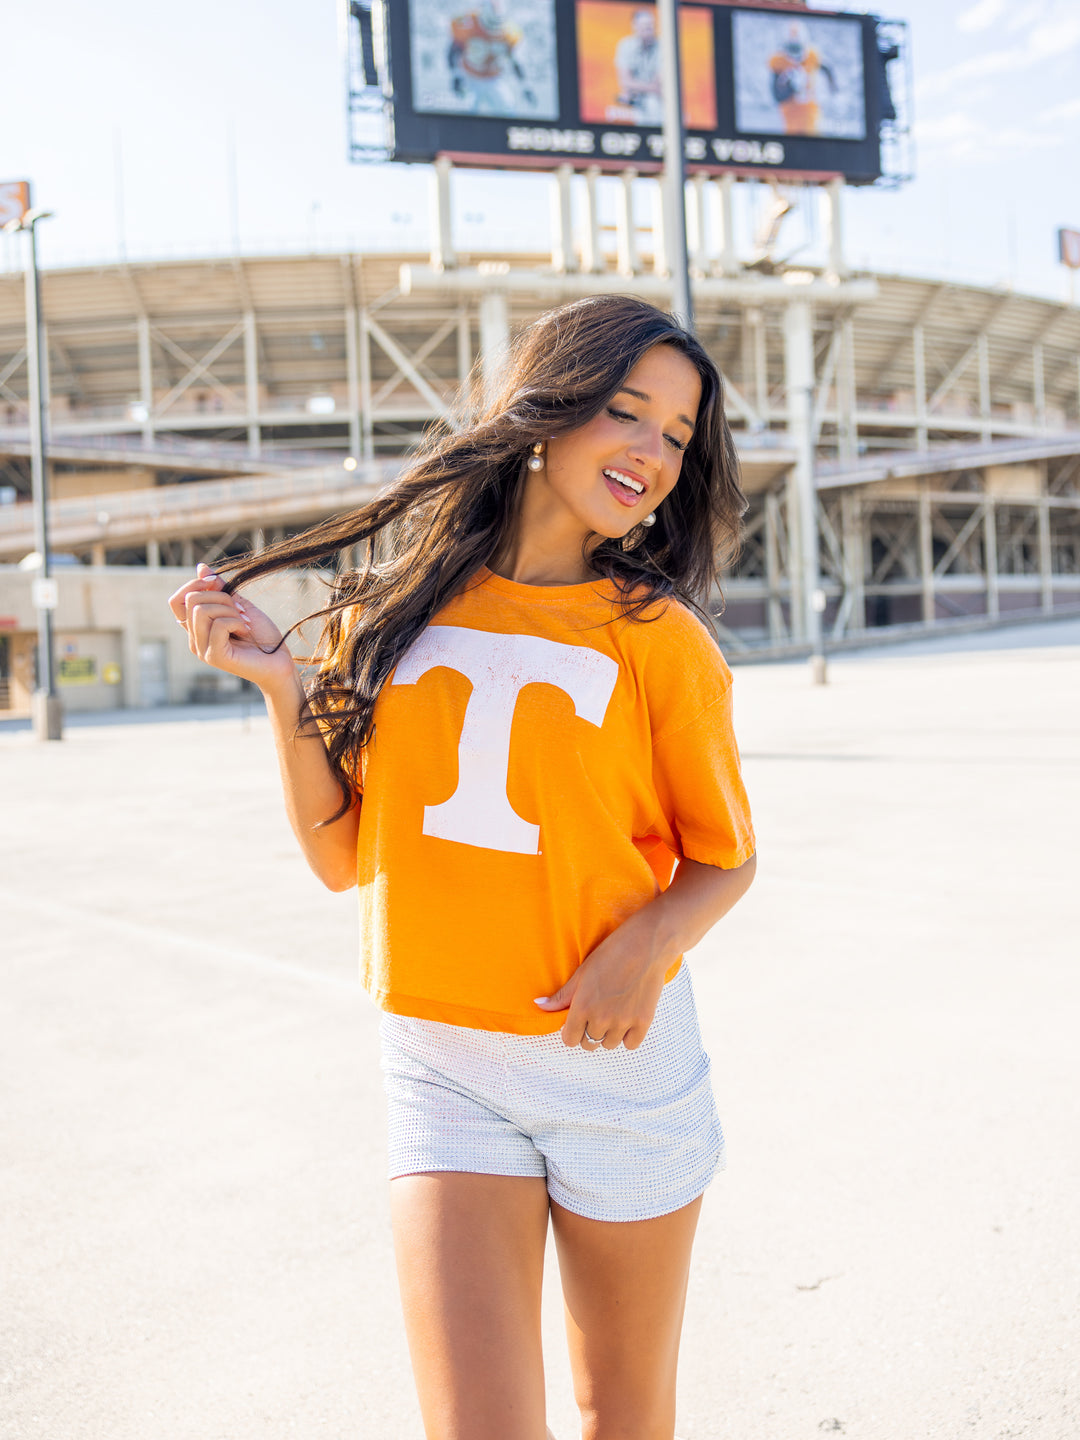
x=795 y=67
x=483 y=68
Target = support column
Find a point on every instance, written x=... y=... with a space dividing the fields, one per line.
x=1038 y=387
x=851 y=524
x=1046 y=557
x=659 y=230
x=986 y=429
x=773 y=568
x=352 y=378
x=97 y=553
x=442 y=227
x=755 y=321
x=833 y=195
x=723 y=190
x=802 y=500
x=926 y=557
x=494 y=338
x=251 y=383
x=991 y=560
x=367 y=421
x=153 y=555
x=625 y=229
x=847 y=423
x=592 y=257
x=698 y=224
x=258 y=540
x=464 y=348
x=922 y=432
x=187 y=554
x=146 y=378
x=563 y=259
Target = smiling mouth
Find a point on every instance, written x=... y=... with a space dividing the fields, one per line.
x=627 y=489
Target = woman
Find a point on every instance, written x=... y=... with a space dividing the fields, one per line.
x=518 y=726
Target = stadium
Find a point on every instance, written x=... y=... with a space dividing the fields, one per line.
x=200 y=408
x=927 y=430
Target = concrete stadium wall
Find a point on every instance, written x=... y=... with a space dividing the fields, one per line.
x=117 y=644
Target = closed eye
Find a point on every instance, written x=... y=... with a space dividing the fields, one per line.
x=626 y=416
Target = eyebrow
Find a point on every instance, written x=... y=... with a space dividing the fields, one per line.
x=640 y=395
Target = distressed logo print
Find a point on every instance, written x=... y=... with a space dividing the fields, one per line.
x=499 y=667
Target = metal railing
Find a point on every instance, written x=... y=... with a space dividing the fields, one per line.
x=100 y=514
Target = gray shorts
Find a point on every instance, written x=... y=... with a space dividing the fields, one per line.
x=618 y=1134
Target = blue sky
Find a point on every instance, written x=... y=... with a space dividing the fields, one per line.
x=162 y=97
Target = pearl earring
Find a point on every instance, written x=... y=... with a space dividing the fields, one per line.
x=536 y=459
x=649 y=519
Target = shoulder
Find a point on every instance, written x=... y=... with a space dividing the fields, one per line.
x=677 y=657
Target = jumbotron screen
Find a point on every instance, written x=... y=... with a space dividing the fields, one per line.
x=542 y=83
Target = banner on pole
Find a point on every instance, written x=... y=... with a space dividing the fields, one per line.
x=14 y=200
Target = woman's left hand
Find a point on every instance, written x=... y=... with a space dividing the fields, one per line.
x=612 y=995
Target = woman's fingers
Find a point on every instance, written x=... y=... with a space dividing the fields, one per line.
x=204 y=614
x=203 y=584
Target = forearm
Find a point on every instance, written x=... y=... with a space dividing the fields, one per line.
x=311 y=792
x=696 y=899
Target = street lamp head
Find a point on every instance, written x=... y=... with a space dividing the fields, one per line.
x=27 y=221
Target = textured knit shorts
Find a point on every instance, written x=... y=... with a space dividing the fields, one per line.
x=618 y=1134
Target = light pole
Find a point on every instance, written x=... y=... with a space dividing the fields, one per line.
x=47 y=714
x=674 y=176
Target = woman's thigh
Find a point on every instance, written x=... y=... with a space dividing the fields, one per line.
x=624 y=1286
x=470 y=1259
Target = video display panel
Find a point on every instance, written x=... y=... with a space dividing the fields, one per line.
x=542 y=83
x=485 y=59
x=619 y=51
x=798 y=75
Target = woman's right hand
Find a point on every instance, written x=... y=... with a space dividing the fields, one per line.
x=231 y=634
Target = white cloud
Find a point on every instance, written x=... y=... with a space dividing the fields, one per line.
x=1065 y=111
x=1053 y=30
x=957 y=136
x=981 y=16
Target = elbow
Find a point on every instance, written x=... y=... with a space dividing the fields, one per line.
x=338 y=881
x=335 y=875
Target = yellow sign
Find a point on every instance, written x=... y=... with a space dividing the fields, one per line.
x=77 y=670
x=111 y=673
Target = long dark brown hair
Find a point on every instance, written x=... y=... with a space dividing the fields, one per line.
x=455 y=504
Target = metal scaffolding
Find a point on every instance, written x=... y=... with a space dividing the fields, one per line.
x=911 y=448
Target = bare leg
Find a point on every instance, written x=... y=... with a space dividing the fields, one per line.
x=625 y=1290
x=470 y=1259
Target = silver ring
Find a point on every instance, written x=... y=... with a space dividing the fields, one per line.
x=181 y=623
x=592 y=1038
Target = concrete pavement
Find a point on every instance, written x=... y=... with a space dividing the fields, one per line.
x=194 y=1241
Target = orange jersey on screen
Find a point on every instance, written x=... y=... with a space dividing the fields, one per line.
x=800 y=110
x=482 y=51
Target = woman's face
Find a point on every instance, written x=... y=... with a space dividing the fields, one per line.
x=612 y=472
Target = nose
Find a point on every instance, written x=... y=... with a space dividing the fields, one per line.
x=647 y=447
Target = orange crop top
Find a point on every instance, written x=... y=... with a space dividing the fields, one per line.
x=537 y=766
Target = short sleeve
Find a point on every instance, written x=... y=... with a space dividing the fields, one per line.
x=698 y=782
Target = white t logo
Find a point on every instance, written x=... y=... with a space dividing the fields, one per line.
x=500 y=666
